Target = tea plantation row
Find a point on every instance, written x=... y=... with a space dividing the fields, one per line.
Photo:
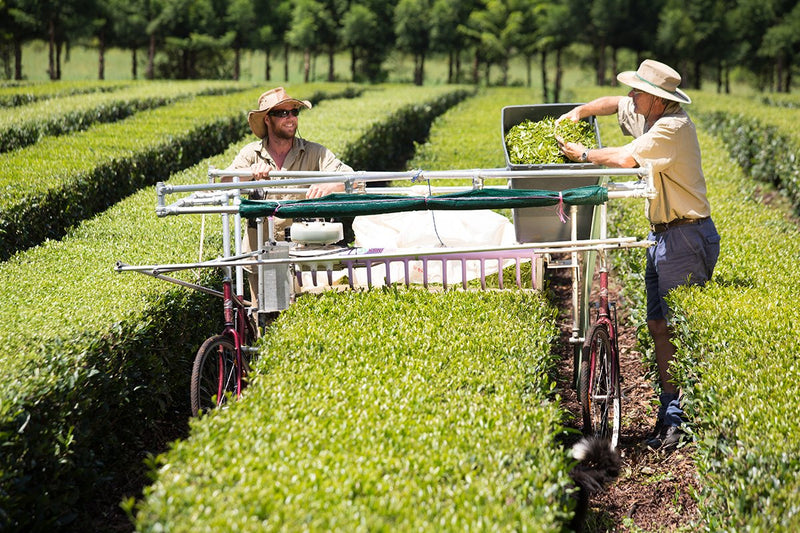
x=735 y=335
x=401 y=410
x=737 y=359
x=397 y=410
x=17 y=94
x=25 y=125
x=60 y=181
x=100 y=358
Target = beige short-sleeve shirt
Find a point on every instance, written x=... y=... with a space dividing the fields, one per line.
x=672 y=148
x=304 y=155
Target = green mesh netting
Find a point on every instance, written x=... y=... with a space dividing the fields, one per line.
x=343 y=204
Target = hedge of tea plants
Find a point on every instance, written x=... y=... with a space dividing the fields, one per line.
x=24 y=125
x=100 y=358
x=382 y=410
x=363 y=346
x=737 y=357
x=60 y=181
x=26 y=93
x=54 y=184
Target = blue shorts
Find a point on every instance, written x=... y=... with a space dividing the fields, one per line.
x=682 y=255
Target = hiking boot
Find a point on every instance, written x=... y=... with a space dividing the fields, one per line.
x=659 y=427
x=667 y=439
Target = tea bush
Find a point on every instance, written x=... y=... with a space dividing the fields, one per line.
x=738 y=363
x=309 y=444
x=26 y=93
x=736 y=360
x=381 y=410
x=24 y=125
x=99 y=358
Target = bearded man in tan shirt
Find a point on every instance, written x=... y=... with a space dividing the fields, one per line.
x=686 y=241
x=279 y=147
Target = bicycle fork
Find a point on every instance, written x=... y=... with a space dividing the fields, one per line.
x=231 y=315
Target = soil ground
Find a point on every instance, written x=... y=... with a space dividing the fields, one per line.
x=654 y=490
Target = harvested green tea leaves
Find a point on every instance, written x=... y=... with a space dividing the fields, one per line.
x=534 y=143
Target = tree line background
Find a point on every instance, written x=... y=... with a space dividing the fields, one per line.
x=703 y=39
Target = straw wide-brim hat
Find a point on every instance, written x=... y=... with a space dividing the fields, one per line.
x=267 y=101
x=656 y=78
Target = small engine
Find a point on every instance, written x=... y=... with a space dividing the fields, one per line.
x=316 y=232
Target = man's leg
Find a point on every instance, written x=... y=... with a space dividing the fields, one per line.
x=670 y=413
x=665 y=351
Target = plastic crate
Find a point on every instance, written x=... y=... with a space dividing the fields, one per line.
x=541 y=224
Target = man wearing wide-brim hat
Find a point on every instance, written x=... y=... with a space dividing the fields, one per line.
x=275 y=122
x=686 y=241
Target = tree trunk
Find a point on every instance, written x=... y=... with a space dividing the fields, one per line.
x=698 y=75
x=331 y=68
x=101 y=59
x=779 y=73
x=286 y=63
x=59 y=46
x=600 y=63
x=727 y=80
x=559 y=76
x=458 y=66
x=17 y=59
x=267 y=66
x=475 y=67
x=237 y=63
x=450 y=61
x=353 y=60
x=134 y=61
x=419 y=69
x=614 y=68
x=51 y=51
x=151 y=54
x=528 y=71
x=306 y=64
x=544 y=75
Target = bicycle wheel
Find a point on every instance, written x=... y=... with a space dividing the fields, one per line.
x=599 y=387
x=213 y=374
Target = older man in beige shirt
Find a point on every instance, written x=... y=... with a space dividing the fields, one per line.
x=686 y=241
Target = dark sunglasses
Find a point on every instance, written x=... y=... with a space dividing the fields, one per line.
x=283 y=113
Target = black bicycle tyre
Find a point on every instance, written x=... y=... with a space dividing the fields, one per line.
x=214 y=365
x=599 y=390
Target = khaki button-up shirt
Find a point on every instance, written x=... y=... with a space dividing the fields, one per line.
x=304 y=155
x=671 y=147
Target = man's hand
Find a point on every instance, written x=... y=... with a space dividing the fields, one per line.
x=574 y=115
x=321 y=189
x=573 y=151
x=260 y=170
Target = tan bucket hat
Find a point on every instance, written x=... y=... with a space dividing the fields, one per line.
x=656 y=78
x=267 y=101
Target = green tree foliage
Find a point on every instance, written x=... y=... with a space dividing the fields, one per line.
x=308 y=21
x=360 y=25
x=497 y=30
x=704 y=40
x=412 y=26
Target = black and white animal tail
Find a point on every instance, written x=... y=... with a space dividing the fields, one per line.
x=598 y=465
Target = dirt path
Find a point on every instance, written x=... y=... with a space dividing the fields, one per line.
x=654 y=491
